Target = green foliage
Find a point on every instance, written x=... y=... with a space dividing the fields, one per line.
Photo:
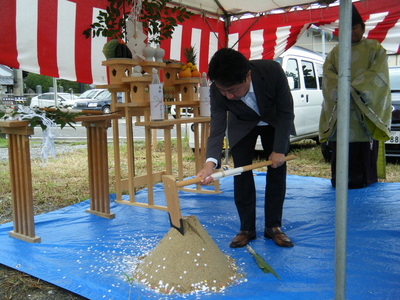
x=112 y=22
x=67 y=85
x=156 y=17
x=58 y=116
x=32 y=80
x=161 y=22
x=190 y=54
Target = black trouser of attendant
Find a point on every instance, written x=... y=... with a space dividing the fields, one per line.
x=244 y=187
x=362 y=164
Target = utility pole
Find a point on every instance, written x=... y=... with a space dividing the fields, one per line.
x=18 y=83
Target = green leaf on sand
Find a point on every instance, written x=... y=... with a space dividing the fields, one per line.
x=262 y=264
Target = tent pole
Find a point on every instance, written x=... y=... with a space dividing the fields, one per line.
x=342 y=147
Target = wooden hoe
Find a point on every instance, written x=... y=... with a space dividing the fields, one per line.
x=171 y=189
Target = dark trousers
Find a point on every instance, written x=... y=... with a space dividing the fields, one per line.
x=362 y=164
x=244 y=187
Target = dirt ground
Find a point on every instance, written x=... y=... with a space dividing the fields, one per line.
x=16 y=285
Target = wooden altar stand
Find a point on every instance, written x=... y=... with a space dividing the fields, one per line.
x=136 y=111
x=18 y=133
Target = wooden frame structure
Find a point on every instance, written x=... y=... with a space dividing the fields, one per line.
x=136 y=110
x=21 y=179
x=18 y=133
x=136 y=107
x=96 y=129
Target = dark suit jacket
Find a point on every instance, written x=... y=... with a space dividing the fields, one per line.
x=275 y=104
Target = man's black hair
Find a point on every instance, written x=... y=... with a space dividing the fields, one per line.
x=228 y=67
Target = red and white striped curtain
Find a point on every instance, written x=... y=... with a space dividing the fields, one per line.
x=45 y=36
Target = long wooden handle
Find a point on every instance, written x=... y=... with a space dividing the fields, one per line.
x=231 y=172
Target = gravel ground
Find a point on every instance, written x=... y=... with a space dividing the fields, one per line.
x=36 y=150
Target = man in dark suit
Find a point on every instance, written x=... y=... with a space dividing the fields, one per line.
x=251 y=99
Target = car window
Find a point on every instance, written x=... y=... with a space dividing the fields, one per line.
x=394 y=74
x=292 y=70
x=47 y=97
x=310 y=79
x=88 y=94
x=106 y=95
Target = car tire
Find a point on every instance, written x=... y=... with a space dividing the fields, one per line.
x=326 y=151
x=106 y=110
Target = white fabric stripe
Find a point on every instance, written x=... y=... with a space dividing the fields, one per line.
x=391 y=42
x=176 y=43
x=282 y=34
x=66 y=16
x=213 y=45
x=196 y=43
x=27 y=28
x=232 y=39
x=302 y=31
x=256 y=44
x=331 y=27
x=99 y=72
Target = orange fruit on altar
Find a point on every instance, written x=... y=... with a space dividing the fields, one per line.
x=185 y=74
x=196 y=73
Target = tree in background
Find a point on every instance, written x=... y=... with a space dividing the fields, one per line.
x=32 y=80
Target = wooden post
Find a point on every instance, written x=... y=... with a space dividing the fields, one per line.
x=96 y=128
x=21 y=180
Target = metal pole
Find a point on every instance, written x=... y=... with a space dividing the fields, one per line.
x=342 y=147
x=55 y=92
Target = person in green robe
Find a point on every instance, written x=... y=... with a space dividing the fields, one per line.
x=370 y=107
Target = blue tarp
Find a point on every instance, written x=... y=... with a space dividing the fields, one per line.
x=91 y=256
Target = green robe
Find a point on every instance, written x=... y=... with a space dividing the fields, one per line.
x=370 y=104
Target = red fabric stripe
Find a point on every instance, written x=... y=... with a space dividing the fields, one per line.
x=197 y=22
x=8 y=49
x=241 y=28
x=83 y=45
x=47 y=31
x=380 y=31
x=203 y=51
x=47 y=38
x=166 y=45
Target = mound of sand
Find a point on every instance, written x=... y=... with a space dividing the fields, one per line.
x=186 y=263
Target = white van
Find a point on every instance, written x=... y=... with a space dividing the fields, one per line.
x=303 y=69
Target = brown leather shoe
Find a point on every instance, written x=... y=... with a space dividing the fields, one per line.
x=278 y=236
x=242 y=238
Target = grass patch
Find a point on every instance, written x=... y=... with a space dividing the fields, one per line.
x=3 y=142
